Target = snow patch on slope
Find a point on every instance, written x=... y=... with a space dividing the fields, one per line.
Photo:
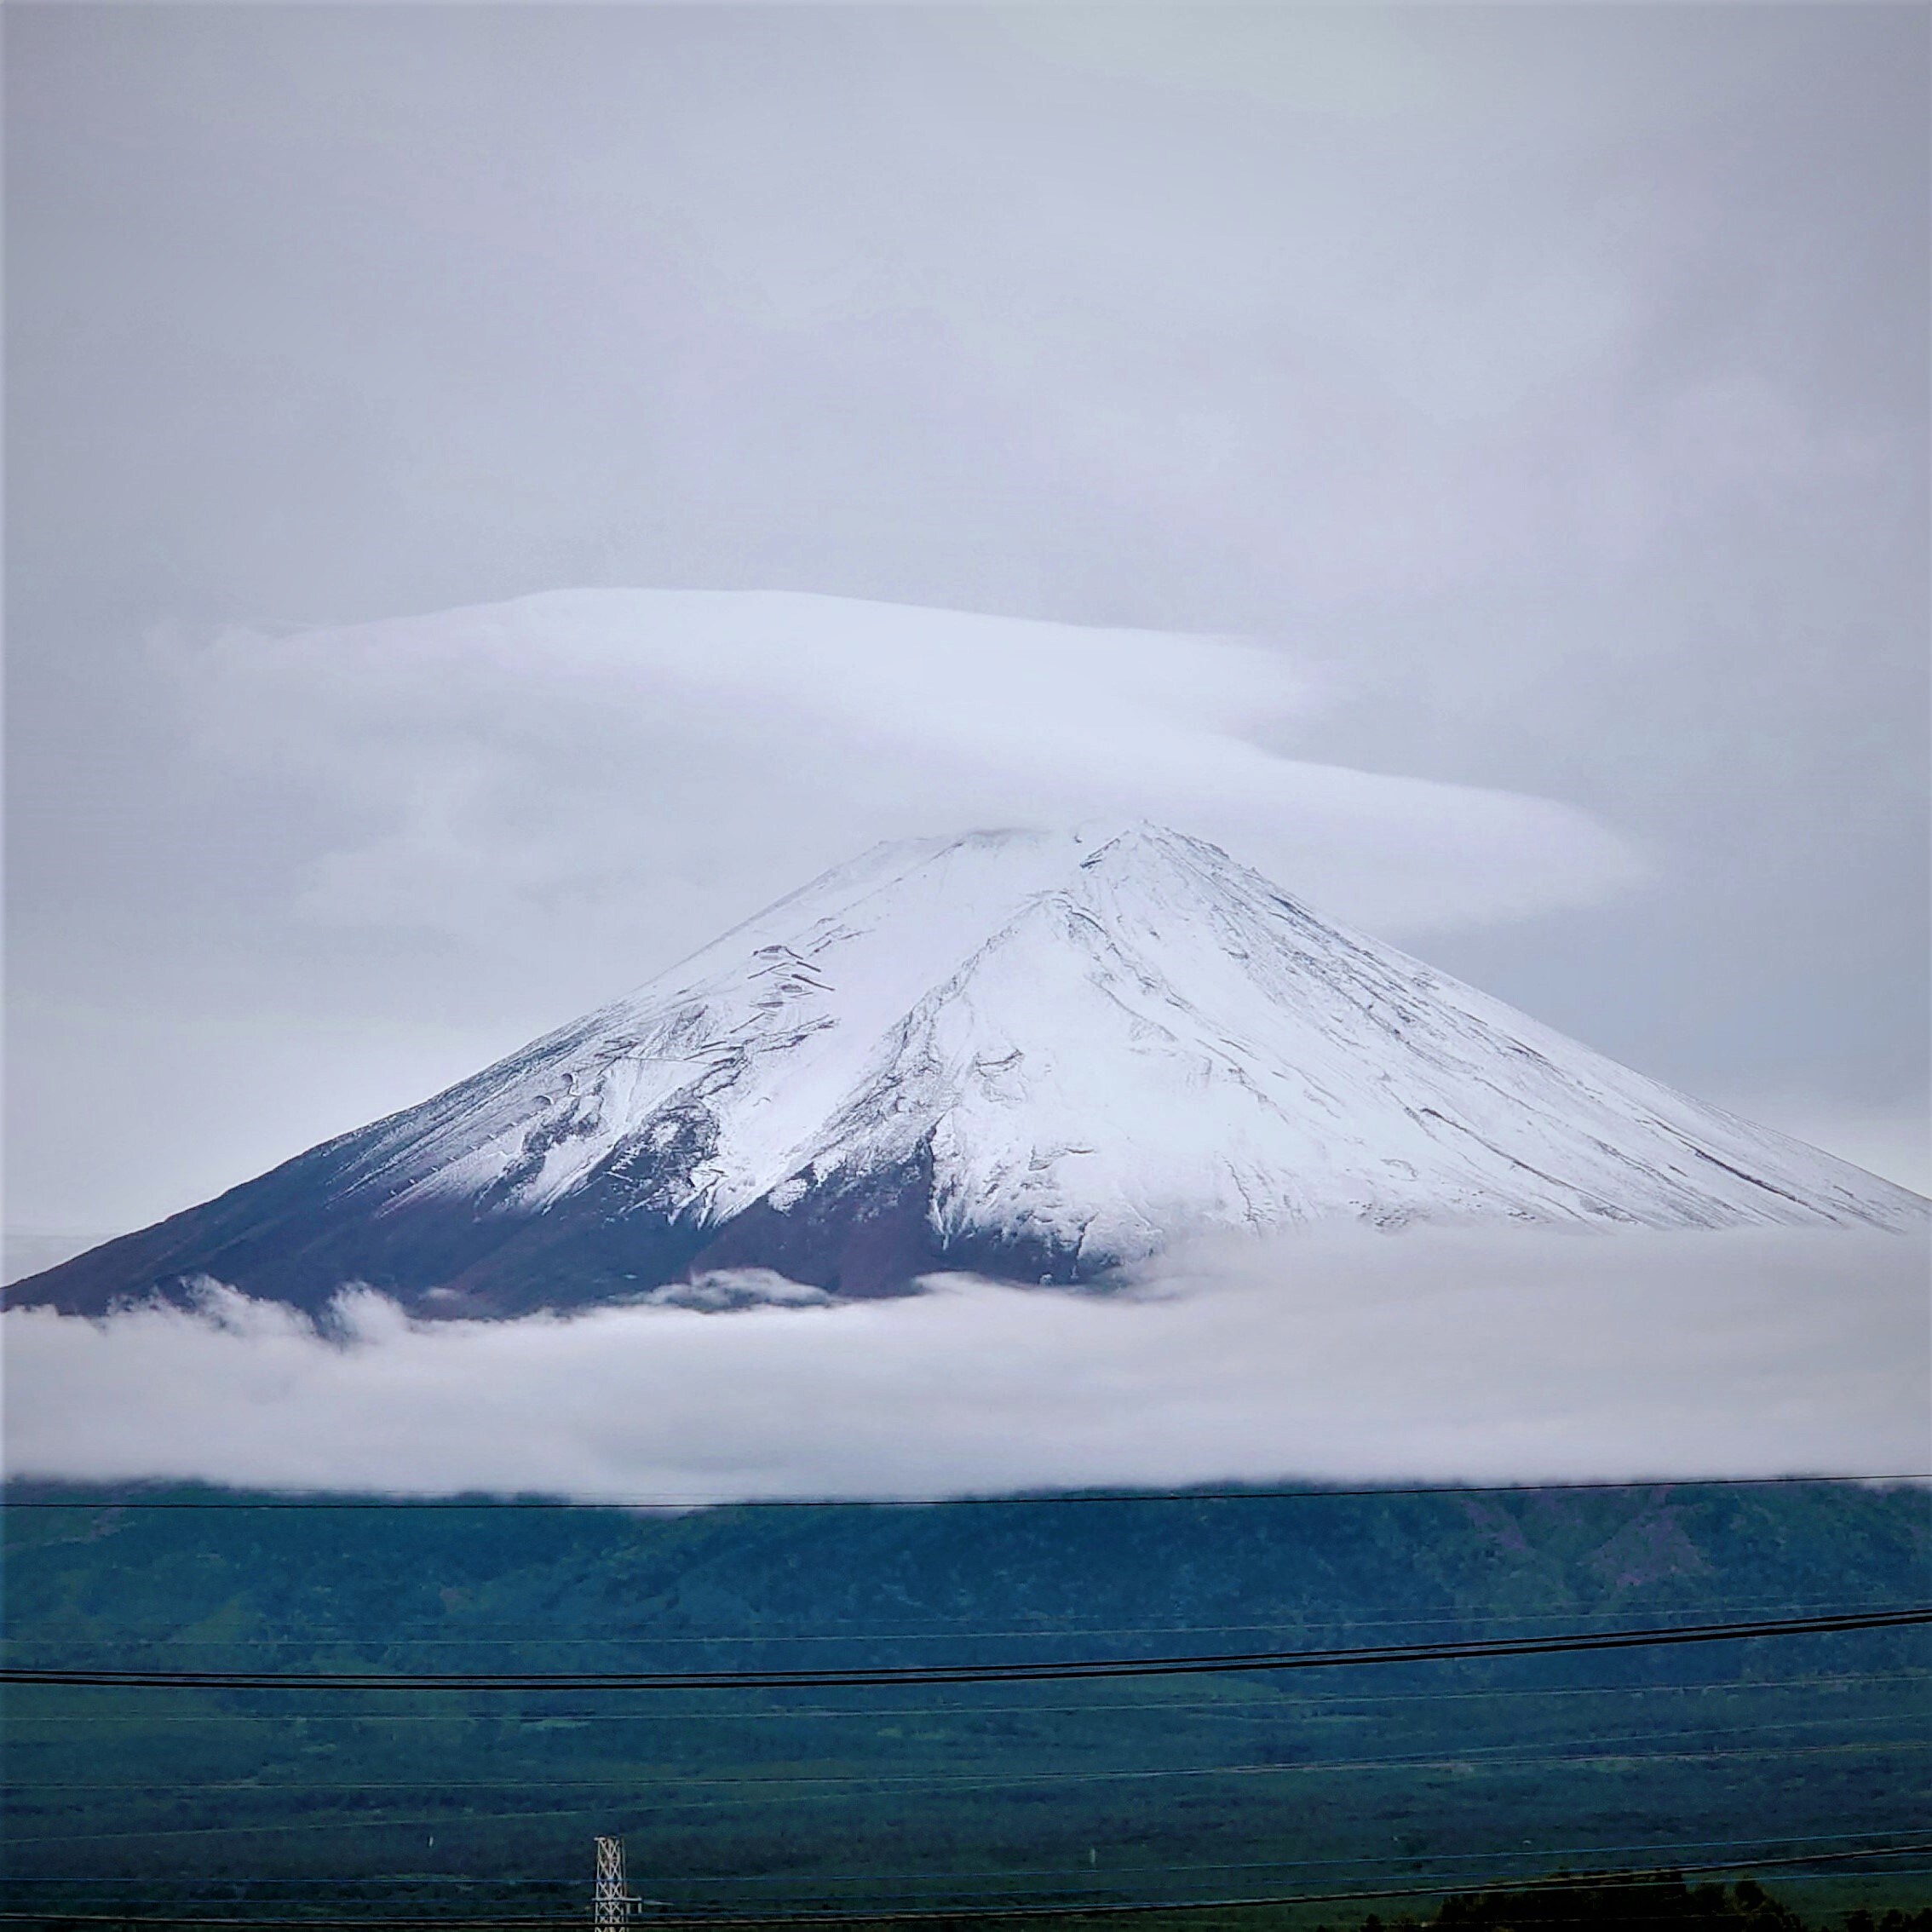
x=1101 y=1042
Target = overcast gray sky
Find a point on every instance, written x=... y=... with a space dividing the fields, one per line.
x=1542 y=389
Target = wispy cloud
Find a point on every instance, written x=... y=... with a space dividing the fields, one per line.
x=1477 y=1356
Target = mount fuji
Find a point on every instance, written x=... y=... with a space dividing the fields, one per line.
x=1040 y=1056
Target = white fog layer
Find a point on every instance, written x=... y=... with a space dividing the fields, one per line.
x=1432 y=1357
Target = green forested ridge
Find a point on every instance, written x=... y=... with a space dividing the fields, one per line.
x=1197 y=1788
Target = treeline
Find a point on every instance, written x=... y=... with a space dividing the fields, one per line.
x=1664 y=1904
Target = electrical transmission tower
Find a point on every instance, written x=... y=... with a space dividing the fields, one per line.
x=610 y=1904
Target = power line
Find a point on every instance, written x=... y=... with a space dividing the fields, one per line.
x=1503 y=1756
x=1081 y=1909
x=1599 y=1751
x=1544 y=1853
x=1085 y=1668
x=886 y=1915
x=1254 y=1712
x=1309 y=1494
x=526 y=1635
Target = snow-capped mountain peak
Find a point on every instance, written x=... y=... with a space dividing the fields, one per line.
x=1044 y=1054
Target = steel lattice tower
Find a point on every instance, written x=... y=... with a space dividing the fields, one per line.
x=610 y=1904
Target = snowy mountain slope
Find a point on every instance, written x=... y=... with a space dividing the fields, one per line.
x=1042 y=1055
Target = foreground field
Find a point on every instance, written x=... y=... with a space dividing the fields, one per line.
x=1790 y=1757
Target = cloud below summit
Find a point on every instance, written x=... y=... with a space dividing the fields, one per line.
x=1427 y=1356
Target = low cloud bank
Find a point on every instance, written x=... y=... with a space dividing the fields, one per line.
x=1491 y=1356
